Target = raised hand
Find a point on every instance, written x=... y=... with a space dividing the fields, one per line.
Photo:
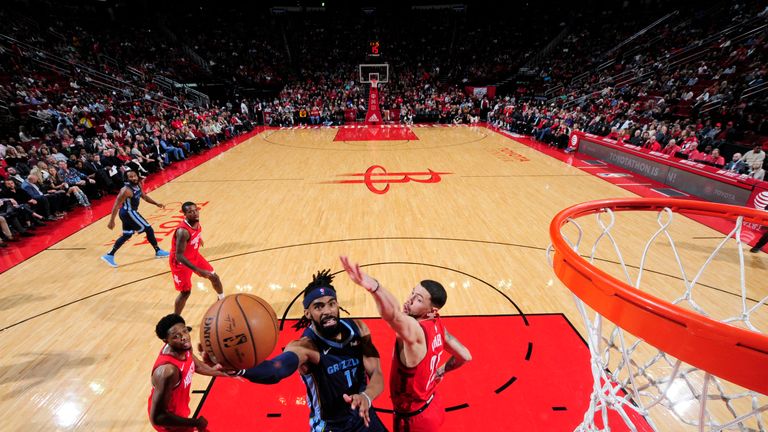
x=357 y=275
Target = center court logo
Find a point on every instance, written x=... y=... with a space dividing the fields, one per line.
x=378 y=175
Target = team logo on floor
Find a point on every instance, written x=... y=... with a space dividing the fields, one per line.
x=506 y=154
x=376 y=176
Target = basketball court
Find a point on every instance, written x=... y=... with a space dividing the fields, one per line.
x=466 y=206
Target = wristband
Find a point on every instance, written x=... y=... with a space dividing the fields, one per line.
x=370 y=402
x=378 y=285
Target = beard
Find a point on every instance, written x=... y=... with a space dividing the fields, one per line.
x=328 y=332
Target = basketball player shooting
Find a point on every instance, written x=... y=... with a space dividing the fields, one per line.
x=186 y=259
x=127 y=204
x=420 y=343
x=168 y=403
x=337 y=361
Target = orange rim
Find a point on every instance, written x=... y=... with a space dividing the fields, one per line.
x=734 y=354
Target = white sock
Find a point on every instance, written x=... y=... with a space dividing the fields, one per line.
x=220 y=296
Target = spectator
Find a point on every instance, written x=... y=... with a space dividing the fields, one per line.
x=52 y=205
x=758 y=172
x=40 y=205
x=715 y=159
x=55 y=182
x=671 y=148
x=736 y=164
x=754 y=157
x=73 y=177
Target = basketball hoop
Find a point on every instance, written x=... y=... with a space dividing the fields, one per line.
x=374 y=72
x=660 y=354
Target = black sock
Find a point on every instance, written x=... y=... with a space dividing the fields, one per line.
x=151 y=238
x=123 y=238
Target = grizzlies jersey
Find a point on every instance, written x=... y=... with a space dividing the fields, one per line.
x=340 y=370
x=133 y=202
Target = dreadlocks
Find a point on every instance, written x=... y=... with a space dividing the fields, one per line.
x=321 y=281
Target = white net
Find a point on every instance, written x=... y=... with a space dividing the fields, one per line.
x=636 y=386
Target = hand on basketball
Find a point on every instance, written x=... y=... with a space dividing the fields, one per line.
x=357 y=275
x=205 y=357
x=359 y=402
x=220 y=371
x=235 y=374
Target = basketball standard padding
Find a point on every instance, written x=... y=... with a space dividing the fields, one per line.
x=239 y=331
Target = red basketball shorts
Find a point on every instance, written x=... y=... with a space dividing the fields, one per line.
x=182 y=275
x=428 y=420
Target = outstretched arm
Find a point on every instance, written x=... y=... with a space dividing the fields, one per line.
x=147 y=198
x=282 y=366
x=406 y=327
x=203 y=368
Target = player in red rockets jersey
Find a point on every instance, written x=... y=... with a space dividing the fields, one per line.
x=168 y=403
x=414 y=387
x=185 y=257
x=421 y=344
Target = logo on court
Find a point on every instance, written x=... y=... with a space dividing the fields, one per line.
x=377 y=175
x=506 y=154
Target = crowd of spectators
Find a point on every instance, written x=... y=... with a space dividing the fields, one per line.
x=73 y=135
x=85 y=140
x=699 y=105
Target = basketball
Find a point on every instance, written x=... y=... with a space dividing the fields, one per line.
x=239 y=331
